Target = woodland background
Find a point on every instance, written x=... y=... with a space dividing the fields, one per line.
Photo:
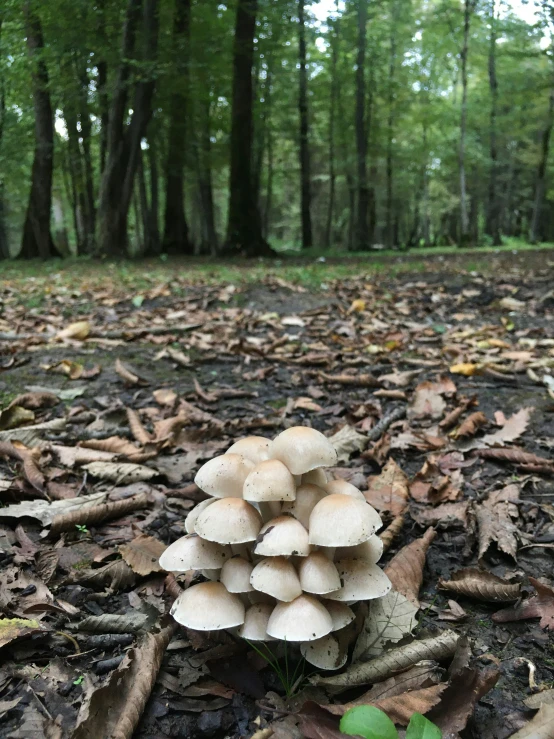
x=148 y=127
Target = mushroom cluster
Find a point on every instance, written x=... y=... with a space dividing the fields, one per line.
x=286 y=552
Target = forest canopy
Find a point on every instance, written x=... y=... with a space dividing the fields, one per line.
x=148 y=127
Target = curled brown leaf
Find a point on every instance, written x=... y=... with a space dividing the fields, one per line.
x=481 y=585
x=405 y=570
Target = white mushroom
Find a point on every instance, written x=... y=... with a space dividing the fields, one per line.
x=342 y=521
x=303 y=449
x=254 y=448
x=193 y=553
x=325 y=653
x=318 y=574
x=235 y=575
x=304 y=619
x=314 y=477
x=190 y=520
x=341 y=487
x=360 y=581
x=282 y=536
x=371 y=550
x=229 y=521
x=224 y=476
x=256 y=618
x=307 y=497
x=277 y=577
x=208 y=607
x=341 y=613
x=269 y=481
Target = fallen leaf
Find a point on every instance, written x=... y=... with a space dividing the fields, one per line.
x=14 y=416
x=401 y=708
x=540 y=606
x=32 y=436
x=137 y=428
x=142 y=554
x=121 y=473
x=73 y=370
x=128 y=375
x=427 y=402
x=389 y=620
x=35 y=400
x=540 y=727
x=78 y=331
x=110 y=623
x=347 y=441
x=317 y=723
x=514 y=427
x=405 y=570
x=389 y=490
x=45 y=511
x=467 y=369
x=165 y=396
x=470 y=426
x=481 y=585
x=15 y=628
x=535 y=701
x=495 y=517
x=92 y=515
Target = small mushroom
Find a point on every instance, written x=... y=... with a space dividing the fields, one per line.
x=371 y=550
x=254 y=448
x=342 y=521
x=269 y=481
x=224 y=476
x=307 y=497
x=235 y=575
x=284 y=536
x=303 y=619
x=360 y=581
x=229 y=521
x=314 y=477
x=325 y=653
x=256 y=618
x=190 y=520
x=303 y=449
x=193 y=553
x=341 y=487
x=341 y=613
x=277 y=577
x=318 y=574
x=208 y=606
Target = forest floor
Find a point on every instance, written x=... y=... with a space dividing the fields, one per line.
x=117 y=383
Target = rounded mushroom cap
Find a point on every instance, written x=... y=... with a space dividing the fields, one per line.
x=268 y=481
x=318 y=574
x=276 y=576
x=341 y=487
x=254 y=627
x=190 y=520
x=307 y=497
x=314 y=477
x=211 y=574
x=342 y=521
x=324 y=653
x=224 y=476
x=341 y=613
x=254 y=448
x=235 y=575
x=229 y=521
x=303 y=449
x=193 y=553
x=282 y=536
x=360 y=581
x=371 y=550
x=304 y=619
x=208 y=607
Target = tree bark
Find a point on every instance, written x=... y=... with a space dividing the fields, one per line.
x=4 y=246
x=305 y=175
x=204 y=166
x=362 y=230
x=102 y=83
x=493 y=212
x=176 y=239
x=389 y=226
x=37 y=237
x=540 y=182
x=465 y=236
x=328 y=238
x=244 y=235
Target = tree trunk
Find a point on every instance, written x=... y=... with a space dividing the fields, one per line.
x=305 y=176
x=123 y=144
x=102 y=83
x=4 y=246
x=492 y=227
x=86 y=134
x=362 y=231
x=176 y=240
x=204 y=173
x=328 y=238
x=37 y=237
x=465 y=237
x=389 y=226
x=244 y=235
x=540 y=182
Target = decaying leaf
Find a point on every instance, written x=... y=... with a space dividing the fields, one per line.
x=392 y=662
x=137 y=428
x=35 y=400
x=540 y=606
x=45 y=511
x=347 y=441
x=536 y=700
x=389 y=490
x=77 y=331
x=32 y=436
x=128 y=375
x=108 y=623
x=14 y=416
x=470 y=426
x=428 y=398
x=405 y=570
x=389 y=619
x=514 y=427
x=91 y=515
x=481 y=585
x=116 y=576
x=15 y=628
x=540 y=727
x=495 y=517
x=121 y=473
x=317 y=723
x=142 y=554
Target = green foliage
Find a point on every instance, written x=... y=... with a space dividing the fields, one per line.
x=372 y=723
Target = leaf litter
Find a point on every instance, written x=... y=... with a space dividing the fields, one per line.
x=430 y=442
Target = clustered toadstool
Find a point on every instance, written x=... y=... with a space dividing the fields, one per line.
x=285 y=551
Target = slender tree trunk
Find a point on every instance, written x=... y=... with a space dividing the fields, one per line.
x=102 y=83
x=332 y=115
x=204 y=174
x=493 y=211
x=4 y=246
x=155 y=245
x=266 y=212
x=465 y=236
x=305 y=174
x=244 y=234
x=540 y=182
x=37 y=238
x=86 y=135
x=176 y=238
x=362 y=231
x=389 y=227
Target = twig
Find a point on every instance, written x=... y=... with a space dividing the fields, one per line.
x=379 y=429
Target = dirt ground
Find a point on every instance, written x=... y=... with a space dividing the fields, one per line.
x=257 y=358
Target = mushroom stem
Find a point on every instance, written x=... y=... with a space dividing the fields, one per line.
x=270 y=509
x=242 y=550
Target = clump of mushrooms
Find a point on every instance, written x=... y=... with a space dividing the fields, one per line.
x=286 y=551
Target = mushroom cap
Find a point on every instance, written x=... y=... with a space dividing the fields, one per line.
x=342 y=521
x=303 y=619
x=224 y=476
x=341 y=487
x=360 y=581
x=282 y=536
x=324 y=653
x=208 y=607
x=235 y=575
x=254 y=448
x=193 y=553
x=256 y=617
x=318 y=574
x=341 y=613
x=268 y=481
x=211 y=574
x=307 y=497
x=190 y=520
x=303 y=449
x=371 y=550
x=229 y=521
x=314 y=477
x=276 y=576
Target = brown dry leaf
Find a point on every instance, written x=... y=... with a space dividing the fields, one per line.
x=389 y=490
x=481 y=585
x=363 y=380
x=391 y=532
x=116 y=576
x=430 y=485
x=470 y=426
x=443 y=514
x=405 y=570
x=392 y=662
x=451 y=419
x=91 y=515
x=454 y=612
x=128 y=375
x=515 y=456
x=121 y=473
x=137 y=429
x=35 y=400
x=114 y=444
x=540 y=606
x=540 y=727
x=535 y=701
x=428 y=398
x=47 y=562
x=74 y=456
x=142 y=554
x=78 y=331
x=514 y=427
x=15 y=628
x=131 y=622
x=306 y=404
x=14 y=416
x=167 y=429
x=347 y=441
x=73 y=370
x=467 y=369
x=495 y=517
x=165 y=396
x=401 y=708
x=32 y=472
x=32 y=436
x=114 y=709
x=389 y=620
x=317 y=723
x=46 y=512
x=400 y=379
